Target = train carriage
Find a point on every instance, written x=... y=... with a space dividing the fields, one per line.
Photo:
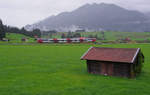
x=66 y=40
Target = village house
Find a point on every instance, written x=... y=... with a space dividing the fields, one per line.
x=122 y=62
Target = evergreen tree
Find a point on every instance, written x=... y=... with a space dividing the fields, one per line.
x=2 y=31
x=36 y=32
x=63 y=35
x=76 y=35
x=69 y=34
x=96 y=36
x=90 y=36
x=103 y=35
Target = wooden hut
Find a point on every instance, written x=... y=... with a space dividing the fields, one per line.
x=122 y=62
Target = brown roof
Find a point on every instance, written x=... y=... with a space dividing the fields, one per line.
x=126 y=55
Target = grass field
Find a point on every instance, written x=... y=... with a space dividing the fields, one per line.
x=17 y=37
x=58 y=70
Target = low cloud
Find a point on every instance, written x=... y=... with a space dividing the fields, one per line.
x=22 y=12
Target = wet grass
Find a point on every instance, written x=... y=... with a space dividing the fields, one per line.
x=58 y=70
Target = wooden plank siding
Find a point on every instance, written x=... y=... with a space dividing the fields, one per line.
x=97 y=67
x=122 y=69
x=109 y=68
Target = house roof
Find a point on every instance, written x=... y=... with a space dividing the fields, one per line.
x=126 y=55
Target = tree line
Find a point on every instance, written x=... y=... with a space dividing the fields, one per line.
x=2 y=31
x=77 y=35
x=70 y=35
x=35 y=32
x=7 y=29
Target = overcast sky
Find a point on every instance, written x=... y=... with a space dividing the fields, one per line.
x=22 y=12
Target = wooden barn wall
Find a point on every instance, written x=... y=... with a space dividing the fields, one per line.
x=122 y=69
x=94 y=67
x=109 y=68
x=97 y=67
x=133 y=67
x=137 y=66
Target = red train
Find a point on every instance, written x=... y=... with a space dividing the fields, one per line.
x=66 y=40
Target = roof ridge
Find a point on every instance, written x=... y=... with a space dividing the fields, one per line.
x=138 y=49
x=115 y=48
x=86 y=52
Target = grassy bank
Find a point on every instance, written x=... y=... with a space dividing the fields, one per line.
x=58 y=70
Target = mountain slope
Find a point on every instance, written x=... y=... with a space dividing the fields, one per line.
x=96 y=17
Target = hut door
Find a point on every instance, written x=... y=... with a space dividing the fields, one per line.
x=110 y=69
x=107 y=69
x=103 y=69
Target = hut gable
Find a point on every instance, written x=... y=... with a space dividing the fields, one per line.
x=126 y=55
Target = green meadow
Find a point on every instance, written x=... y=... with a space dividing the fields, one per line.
x=47 y=69
x=16 y=38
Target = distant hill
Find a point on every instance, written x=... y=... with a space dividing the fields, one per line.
x=94 y=17
x=147 y=14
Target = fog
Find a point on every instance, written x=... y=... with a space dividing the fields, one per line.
x=22 y=12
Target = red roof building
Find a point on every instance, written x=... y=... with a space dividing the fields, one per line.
x=124 y=62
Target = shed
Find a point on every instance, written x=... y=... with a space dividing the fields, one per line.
x=122 y=62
